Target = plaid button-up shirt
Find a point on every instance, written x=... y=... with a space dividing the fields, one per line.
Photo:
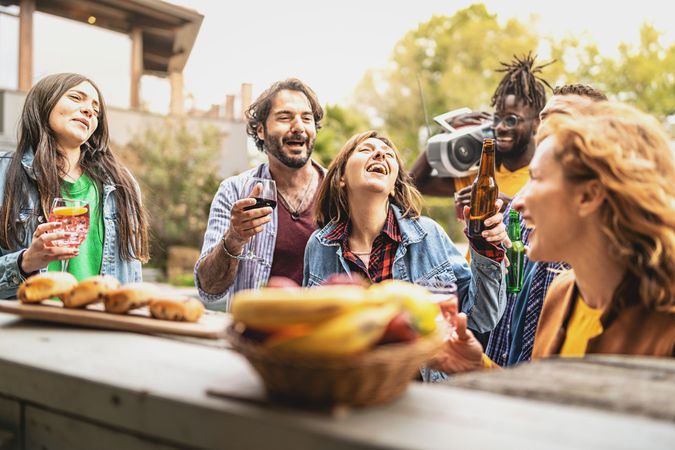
x=381 y=255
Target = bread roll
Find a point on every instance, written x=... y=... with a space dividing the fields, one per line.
x=89 y=291
x=176 y=307
x=45 y=285
x=128 y=297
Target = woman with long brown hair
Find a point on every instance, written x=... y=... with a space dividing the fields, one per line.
x=368 y=212
x=63 y=151
x=601 y=197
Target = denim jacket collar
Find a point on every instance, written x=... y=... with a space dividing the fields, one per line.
x=27 y=162
x=411 y=231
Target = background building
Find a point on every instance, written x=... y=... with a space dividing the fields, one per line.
x=162 y=36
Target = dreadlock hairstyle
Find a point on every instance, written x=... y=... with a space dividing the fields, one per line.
x=521 y=80
x=582 y=90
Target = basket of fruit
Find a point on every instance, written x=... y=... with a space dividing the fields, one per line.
x=337 y=344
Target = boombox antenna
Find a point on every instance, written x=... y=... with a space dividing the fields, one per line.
x=424 y=106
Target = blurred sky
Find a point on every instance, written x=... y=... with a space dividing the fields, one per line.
x=328 y=45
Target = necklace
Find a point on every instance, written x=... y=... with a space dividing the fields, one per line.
x=360 y=253
x=295 y=212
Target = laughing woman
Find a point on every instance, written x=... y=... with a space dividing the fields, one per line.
x=600 y=197
x=63 y=151
x=368 y=213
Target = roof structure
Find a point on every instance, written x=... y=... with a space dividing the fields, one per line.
x=168 y=31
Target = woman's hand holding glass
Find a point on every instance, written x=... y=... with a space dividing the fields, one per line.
x=461 y=351
x=43 y=249
x=60 y=238
x=73 y=219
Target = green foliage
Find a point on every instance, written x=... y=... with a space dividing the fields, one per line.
x=183 y=280
x=338 y=126
x=175 y=169
x=442 y=210
x=453 y=60
x=643 y=75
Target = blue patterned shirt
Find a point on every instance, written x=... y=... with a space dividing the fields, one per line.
x=250 y=274
x=512 y=340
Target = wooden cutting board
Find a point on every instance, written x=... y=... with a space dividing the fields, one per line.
x=211 y=325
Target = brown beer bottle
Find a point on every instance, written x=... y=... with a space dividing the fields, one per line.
x=484 y=190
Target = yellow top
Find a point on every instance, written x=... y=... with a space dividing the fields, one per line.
x=584 y=325
x=511 y=182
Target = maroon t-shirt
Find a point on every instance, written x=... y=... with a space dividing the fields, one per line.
x=292 y=237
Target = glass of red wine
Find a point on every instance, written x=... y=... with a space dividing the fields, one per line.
x=266 y=196
x=73 y=215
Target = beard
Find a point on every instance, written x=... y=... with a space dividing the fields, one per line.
x=273 y=145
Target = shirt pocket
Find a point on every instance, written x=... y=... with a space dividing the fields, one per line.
x=438 y=277
x=314 y=280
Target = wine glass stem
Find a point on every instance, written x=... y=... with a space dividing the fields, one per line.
x=64 y=265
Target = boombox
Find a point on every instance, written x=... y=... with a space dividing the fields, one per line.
x=457 y=152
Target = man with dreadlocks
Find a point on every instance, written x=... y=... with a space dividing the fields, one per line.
x=518 y=99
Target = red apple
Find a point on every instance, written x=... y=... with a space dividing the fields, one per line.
x=399 y=329
x=353 y=279
x=281 y=282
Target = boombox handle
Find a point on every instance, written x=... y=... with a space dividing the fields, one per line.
x=442 y=119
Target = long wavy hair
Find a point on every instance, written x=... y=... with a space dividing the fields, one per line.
x=332 y=204
x=628 y=152
x=49 y=165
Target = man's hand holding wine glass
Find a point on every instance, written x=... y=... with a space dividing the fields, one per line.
x=249 y=215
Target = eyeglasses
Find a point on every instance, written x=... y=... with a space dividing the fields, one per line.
x=510 y=120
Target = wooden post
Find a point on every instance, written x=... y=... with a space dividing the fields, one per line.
x=27 y=8
x=229 y=108
x=245 y=98
x=177 y=104
x=136 y=67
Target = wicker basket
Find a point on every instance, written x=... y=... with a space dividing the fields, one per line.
x=377 y=376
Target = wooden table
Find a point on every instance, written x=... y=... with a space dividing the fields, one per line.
x=76 y=388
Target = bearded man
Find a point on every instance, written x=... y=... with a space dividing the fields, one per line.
x=283 y=122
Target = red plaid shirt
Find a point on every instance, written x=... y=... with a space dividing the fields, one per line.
x=381 y=255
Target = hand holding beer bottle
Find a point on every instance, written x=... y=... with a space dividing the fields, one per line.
x=485 y=221
x=484 y=191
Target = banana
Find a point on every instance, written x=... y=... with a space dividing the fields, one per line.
x=346 y=334
x=45 y=285
x=270 y=309
x=415 y=299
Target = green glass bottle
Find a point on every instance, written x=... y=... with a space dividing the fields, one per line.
x=516 y=255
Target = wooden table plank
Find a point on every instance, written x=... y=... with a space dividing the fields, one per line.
x=636 y=385
x=211 y=325
x=149 y=387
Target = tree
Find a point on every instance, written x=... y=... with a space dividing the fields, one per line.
x=174 y=168
x=453 y=60
x=643 y=74
x=338 y=126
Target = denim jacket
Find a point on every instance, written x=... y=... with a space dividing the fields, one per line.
x=112 y=263
x=425 y=256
